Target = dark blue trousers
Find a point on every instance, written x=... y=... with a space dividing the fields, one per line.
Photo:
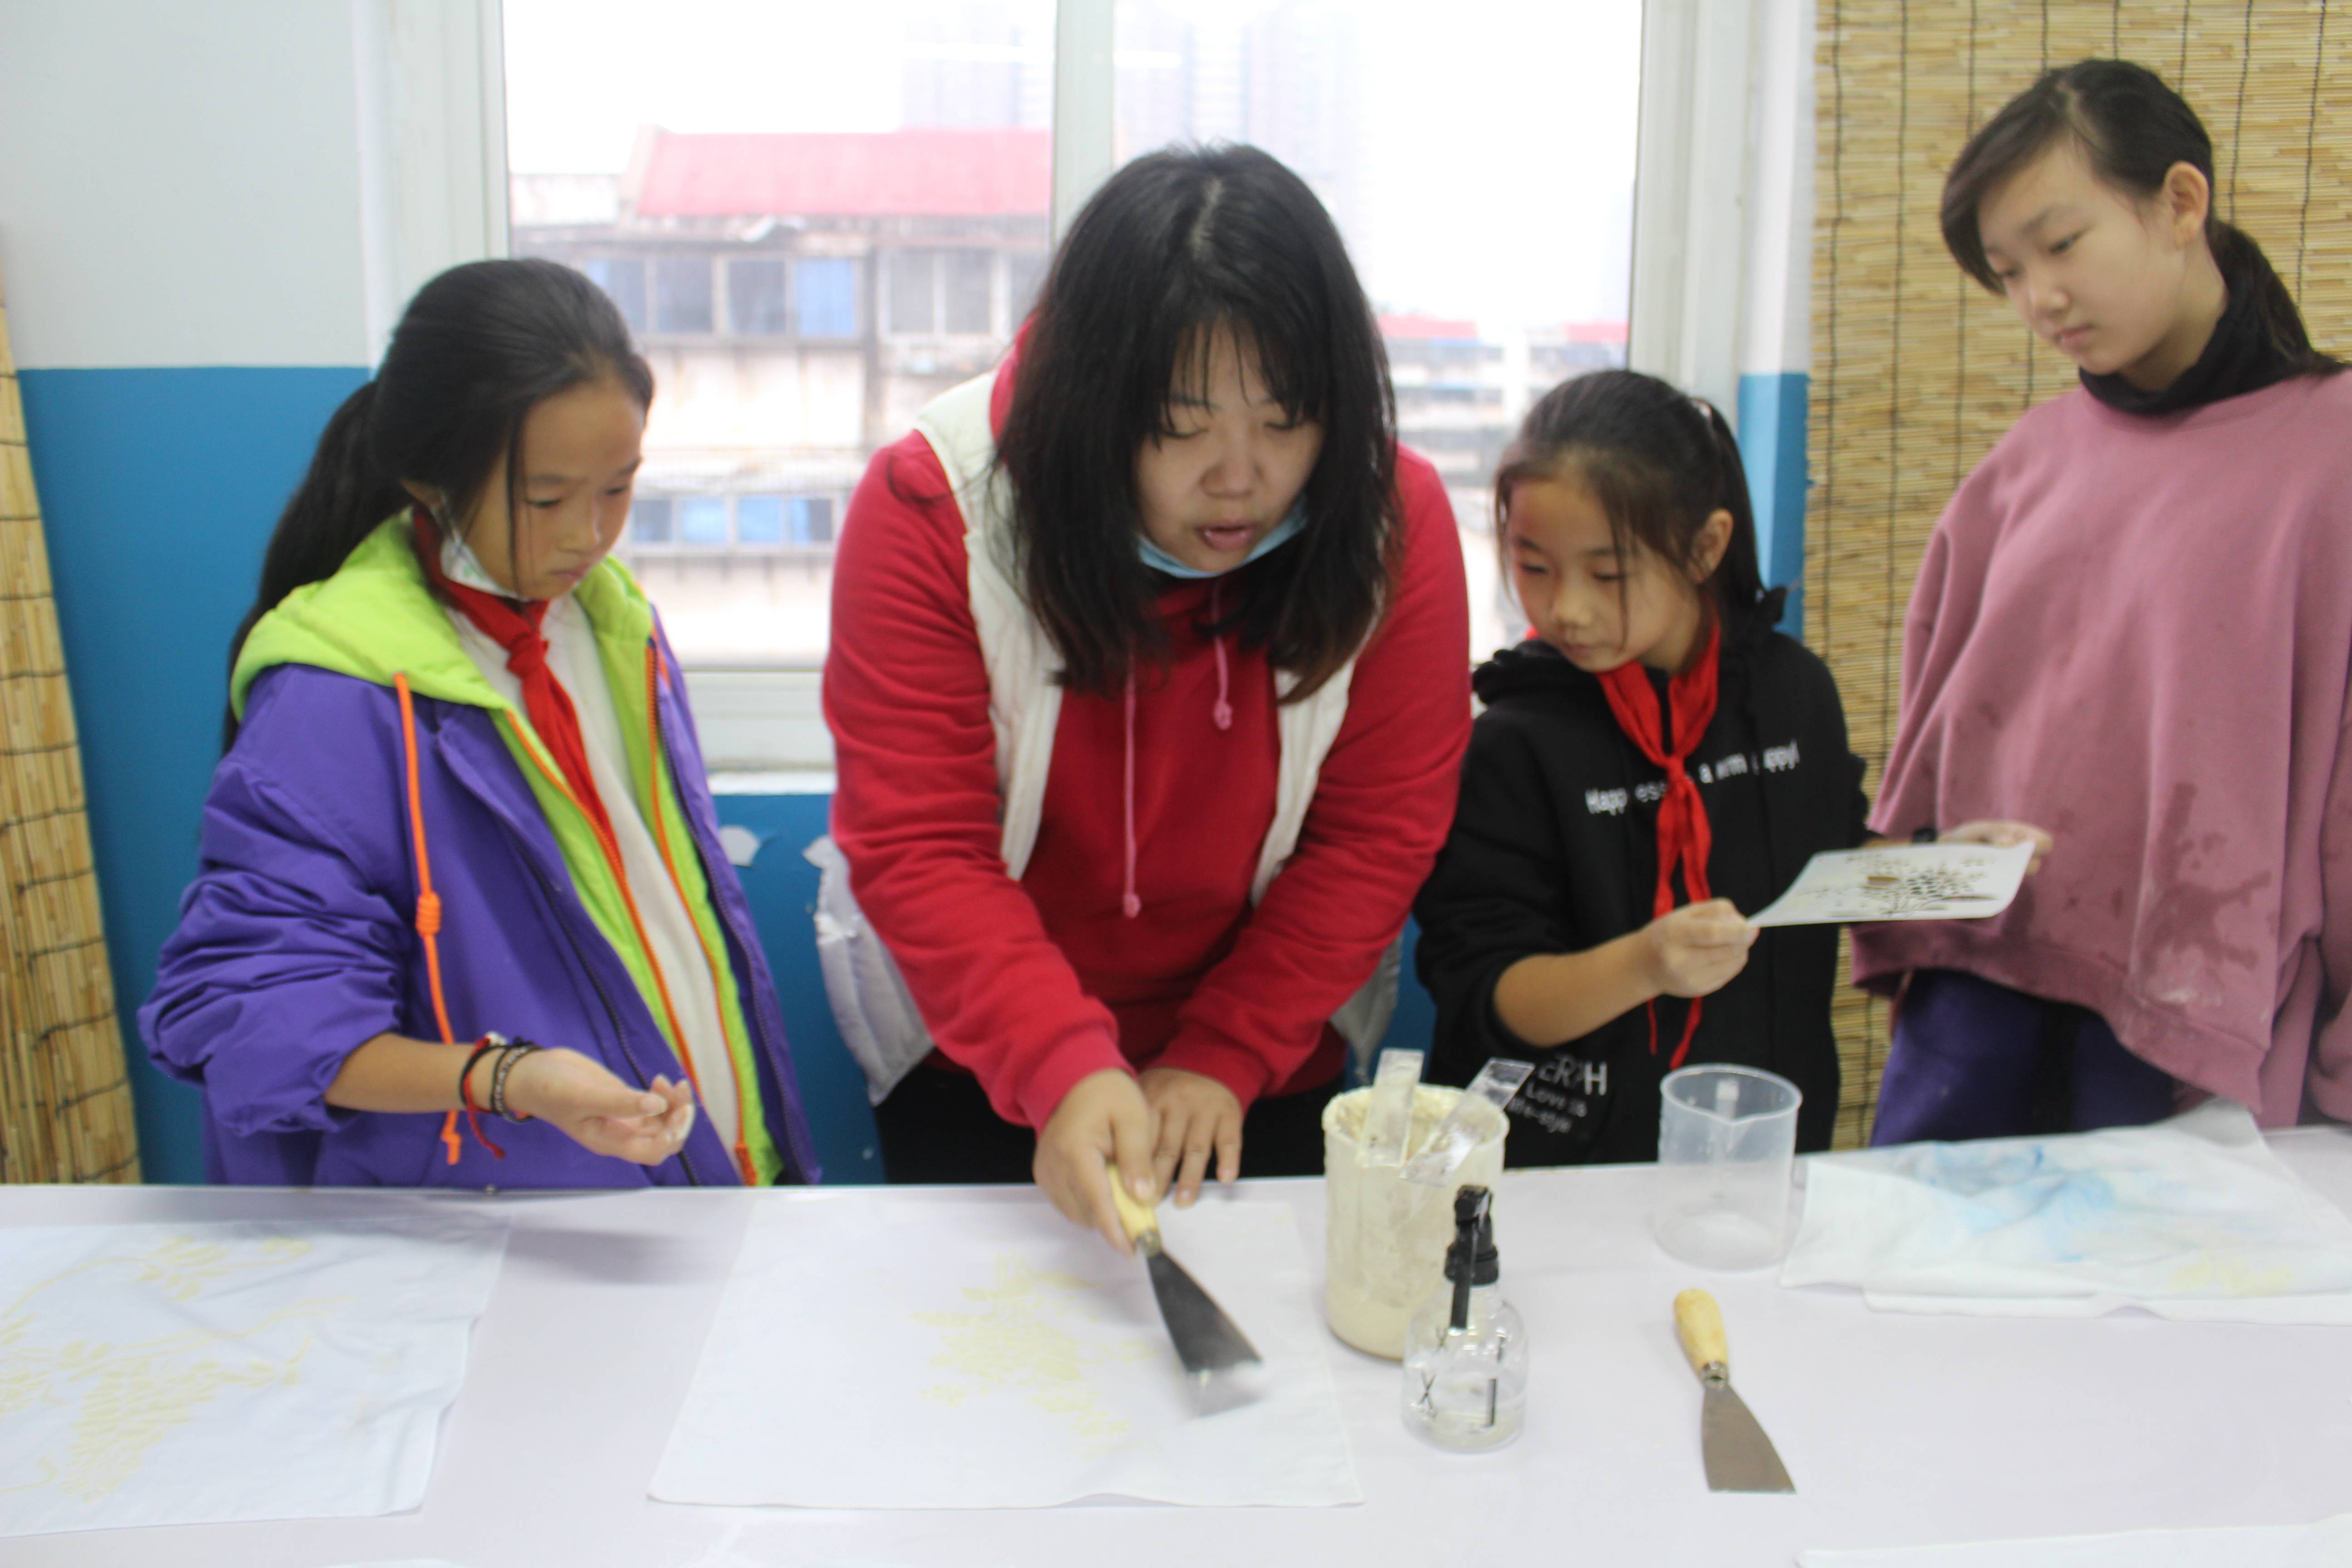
x=1975 y=1059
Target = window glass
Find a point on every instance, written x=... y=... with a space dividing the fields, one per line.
x=755 y=297
x=970 y=277
x=624 y=278
x=702 y=519
x=789 y=149
x=811 y=519
x=758 y=520
x=1024 y=274
x=914 y=291
x=1479 y=162
x=649 y=519
x=825 y=296
x=681 y=293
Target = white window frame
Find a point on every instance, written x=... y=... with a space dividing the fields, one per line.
x=764 y=728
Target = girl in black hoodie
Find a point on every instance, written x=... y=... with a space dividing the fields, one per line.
x=1654 y=760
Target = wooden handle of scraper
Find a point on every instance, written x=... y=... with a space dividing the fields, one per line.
x=1698 y=1324
x=1133 y=1217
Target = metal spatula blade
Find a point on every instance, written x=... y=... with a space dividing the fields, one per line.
x=1739 y=1458
x=1206 y=1341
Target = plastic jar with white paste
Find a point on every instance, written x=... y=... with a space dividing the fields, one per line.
x=1385 y=1237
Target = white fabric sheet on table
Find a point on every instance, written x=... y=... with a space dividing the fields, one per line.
x=2327 y=1544
x=922 y=1352
x=159 y=1374
x=2194 y=1218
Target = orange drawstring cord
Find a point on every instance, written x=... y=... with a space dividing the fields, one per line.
x=428 y=920
x=653 y=793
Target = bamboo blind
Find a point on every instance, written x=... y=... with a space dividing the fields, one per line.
x=1917 y=371
x=65 y=1102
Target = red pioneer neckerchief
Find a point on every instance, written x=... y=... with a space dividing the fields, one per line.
x=1683 y=835
x=513 y=624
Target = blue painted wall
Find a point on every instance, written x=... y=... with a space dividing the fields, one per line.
x=159 y=488
x=1772 y=445
x=781 y=886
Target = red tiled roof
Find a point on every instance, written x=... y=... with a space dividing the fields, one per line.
x=1428 y=327
x=893 y=174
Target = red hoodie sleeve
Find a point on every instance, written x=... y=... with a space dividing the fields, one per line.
x=916 y=805
x=1383 y=804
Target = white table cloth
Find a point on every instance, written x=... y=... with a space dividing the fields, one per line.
x=1899 y=1430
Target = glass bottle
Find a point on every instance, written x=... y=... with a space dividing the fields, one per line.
x=1465 y=1353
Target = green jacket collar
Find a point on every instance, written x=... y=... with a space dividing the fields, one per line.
x=375 y=617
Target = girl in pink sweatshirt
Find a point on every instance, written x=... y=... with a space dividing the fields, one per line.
x=2132 y=622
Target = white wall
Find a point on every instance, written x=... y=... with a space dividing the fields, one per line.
x=255 y=183
x=180 y=183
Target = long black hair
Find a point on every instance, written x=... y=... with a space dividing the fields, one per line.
x=1174 y=249
x=2132 y=129
x=477 y=348
x=1660 y=463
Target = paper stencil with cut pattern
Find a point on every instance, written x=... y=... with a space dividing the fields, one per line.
x=181 y=1375
x=1900 y=882
x=923 y=1352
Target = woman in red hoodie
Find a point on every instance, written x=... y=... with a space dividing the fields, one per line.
x=1149 y=685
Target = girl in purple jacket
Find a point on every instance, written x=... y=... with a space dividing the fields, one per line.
x=462 y=917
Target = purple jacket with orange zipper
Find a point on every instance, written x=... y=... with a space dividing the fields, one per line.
x=297 y=941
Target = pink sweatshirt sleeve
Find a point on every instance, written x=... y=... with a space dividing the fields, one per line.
x=1383 y=804
x=1906 y=786
x=916 y=805
x=2328 y=1073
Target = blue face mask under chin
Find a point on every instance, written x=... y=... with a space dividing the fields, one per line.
x=1159 y=560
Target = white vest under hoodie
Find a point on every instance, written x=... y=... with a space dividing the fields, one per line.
x=879 y=1022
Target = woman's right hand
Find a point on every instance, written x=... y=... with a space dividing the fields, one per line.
x=1103 y=1119
x=584 y=1099
x=1696 y=950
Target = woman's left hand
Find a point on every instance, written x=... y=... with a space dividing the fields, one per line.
x=1196 y=1115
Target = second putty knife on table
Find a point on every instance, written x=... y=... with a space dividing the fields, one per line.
x=1739 y=1458
x=1206 y=1341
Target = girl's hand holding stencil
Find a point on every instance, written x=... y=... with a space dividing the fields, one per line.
x=1696 y=950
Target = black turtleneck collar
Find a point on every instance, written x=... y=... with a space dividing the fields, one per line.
x=2238 y=358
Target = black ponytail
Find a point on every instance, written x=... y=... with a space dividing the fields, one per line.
x=1660 y=463
x=2133 y=129
x=477 y=348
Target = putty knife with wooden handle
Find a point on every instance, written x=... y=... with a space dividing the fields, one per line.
x=1739 y=1458
x=1206 y=1341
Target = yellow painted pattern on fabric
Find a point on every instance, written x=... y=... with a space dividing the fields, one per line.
x=1016 y=1343
x=127 y=1399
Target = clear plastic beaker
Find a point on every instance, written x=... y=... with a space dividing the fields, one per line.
x=1726 y=1147
x=1385 y=1237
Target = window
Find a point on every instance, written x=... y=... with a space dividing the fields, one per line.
x=650 y=520
x=755 y=298
x=702 y=519
x=968 y=282
x=914 y=288
x=624 y=278
x=758 y=520
x=811 y=519
x=819 y=218
x=825 y=296
x=681 y=293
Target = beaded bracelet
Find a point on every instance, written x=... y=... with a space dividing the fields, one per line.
x=515 y=1051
